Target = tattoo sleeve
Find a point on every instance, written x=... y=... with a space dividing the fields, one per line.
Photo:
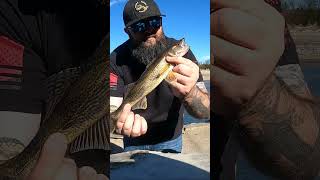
x=197 y=103
x=9 y=148
x=280 y=126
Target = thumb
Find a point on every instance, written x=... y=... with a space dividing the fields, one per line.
x=51 y=157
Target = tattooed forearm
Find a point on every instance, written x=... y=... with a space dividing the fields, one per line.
x=197 y=103
x=9 y=148
x=280 y=130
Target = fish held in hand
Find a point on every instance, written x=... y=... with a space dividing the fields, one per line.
x=154 y=74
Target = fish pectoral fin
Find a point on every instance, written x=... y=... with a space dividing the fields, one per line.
x=171 y=77
x=142 y=104
x=163 y=70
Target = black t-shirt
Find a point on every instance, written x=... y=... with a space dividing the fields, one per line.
x=164 y=113
x=37 y=41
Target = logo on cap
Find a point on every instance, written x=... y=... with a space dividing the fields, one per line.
x=141 y=6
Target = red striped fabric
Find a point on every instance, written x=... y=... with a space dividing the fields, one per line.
x=113 y=80
x=12 y=79
x=11 y=53
x=10 y=71
x=11 y=63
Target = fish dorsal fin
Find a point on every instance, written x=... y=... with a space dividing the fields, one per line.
x=142 y=104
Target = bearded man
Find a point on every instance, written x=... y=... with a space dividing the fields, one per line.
x=159 y=127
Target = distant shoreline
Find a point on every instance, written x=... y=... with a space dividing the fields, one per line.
x=310 y=61
x=205 y=74
x=307 y=41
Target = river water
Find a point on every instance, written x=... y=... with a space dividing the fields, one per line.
x=311 y=73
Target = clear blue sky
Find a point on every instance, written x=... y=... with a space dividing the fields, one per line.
x=189 y=19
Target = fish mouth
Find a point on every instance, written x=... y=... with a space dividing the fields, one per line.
x=182 y=43
x=183 y=47
x=183 y=51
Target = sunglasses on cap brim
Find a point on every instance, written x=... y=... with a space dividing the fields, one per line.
x=142 y=25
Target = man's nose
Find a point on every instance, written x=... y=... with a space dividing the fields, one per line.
x=149 y=31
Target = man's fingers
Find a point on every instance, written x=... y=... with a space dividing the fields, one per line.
x=229 y=85
x=129 y=124
x=178 y=60
x=67 y=170
x=51 y=157
x=218 y=4
x=87 y=173
x=136 y=129
x=127 y=127
x=247 y=31
x=122 y=119
x=102 y=177
x=184 y=80
x=182 y=89
x=237 y=61
x=257 y=8
x=222 y=78
x=183 y=70
x=144 y=126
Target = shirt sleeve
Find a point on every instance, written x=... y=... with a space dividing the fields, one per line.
x=117 y=87
x=22 y=69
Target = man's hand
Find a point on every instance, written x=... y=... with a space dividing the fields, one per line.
x=195 y=100
x=52 y=164
x=279 y=126
x=186 y=74
x=130 y=124
x=247 y=41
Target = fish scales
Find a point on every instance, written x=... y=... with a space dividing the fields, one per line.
x=85 y=103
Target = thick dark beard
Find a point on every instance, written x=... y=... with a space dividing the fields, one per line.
x=145 y=55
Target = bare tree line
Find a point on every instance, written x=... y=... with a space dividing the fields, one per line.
x=300 y=4
x=205 y=64
x=302 y=12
